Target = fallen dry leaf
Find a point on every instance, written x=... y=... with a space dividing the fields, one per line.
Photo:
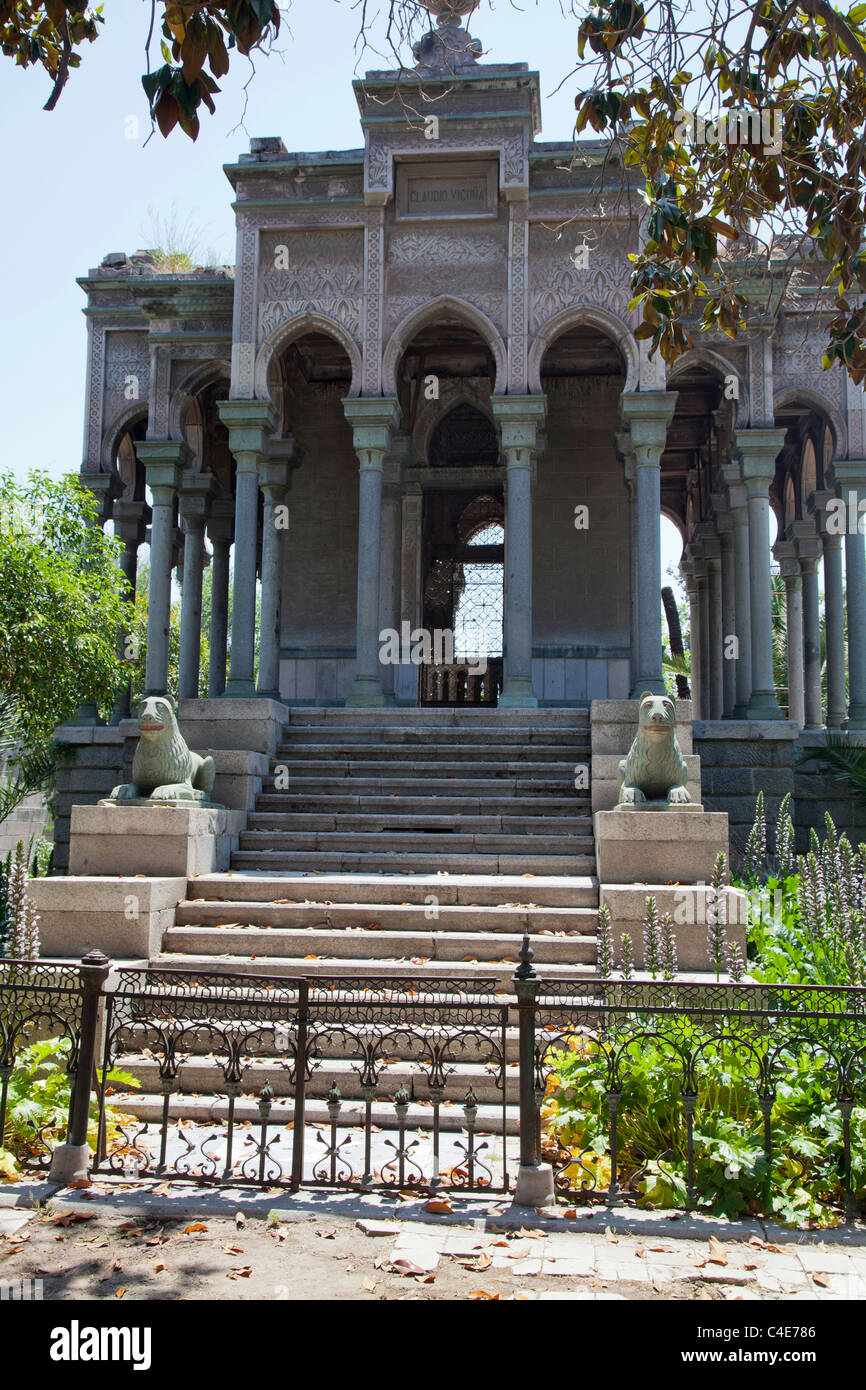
x=482 y=1293
x=438 y=1204
x=158 y=1266
x=68 y=1218
x=240 y=1219
x=718 y=1254
x=196 y=1226
x=401 y=1266
x=822 y=1280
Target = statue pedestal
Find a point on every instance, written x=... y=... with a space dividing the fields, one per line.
x=152 y=838
x=659 y=844
x=666 y=853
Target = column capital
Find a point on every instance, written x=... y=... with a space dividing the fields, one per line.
x=373 y=419
x=847 y=473
x=519 y=420
x=758 y=450
x=646 y=415
x=249 y=423
x=194 y=493
x=163 y=461
x=785 y=555
x=274 y=480
x=130 y=521
x=106 y=488
x=221 y=521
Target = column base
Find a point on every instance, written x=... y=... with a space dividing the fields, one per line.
x=239 y=689
x=366 y=693
x=70 y=1163
x=651 y=685
x=857 y=717
x=517 y=693
x=763 y=705
x=268 y=695
x=534 y=1187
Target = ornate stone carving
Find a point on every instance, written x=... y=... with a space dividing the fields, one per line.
x=324 y=275
x=561 y=274
x=373 y=300
x=468 y=265
x=518 y=255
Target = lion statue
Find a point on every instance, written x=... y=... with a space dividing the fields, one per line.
x=655 y=769
x=164 y=767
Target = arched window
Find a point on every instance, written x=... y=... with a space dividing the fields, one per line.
x=808 y=471
x=790 y=500
x=464 y=438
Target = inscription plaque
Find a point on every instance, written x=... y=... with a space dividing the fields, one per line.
x=432 y=191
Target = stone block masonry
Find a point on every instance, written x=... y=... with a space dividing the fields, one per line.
x=739 y=758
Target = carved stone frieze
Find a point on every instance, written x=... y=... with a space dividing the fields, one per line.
x=422 y=265
x=306 y=271
x=126 y=372
x=583 y=266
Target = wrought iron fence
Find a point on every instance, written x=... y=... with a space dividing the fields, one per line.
x=736 y=1045
x=427 y=1084
x=38 y=1000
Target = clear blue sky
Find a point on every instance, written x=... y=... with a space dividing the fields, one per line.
x=76 y=187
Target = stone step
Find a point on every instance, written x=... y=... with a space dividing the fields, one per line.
x=465 y=717
x=418 y=862
x=426 y=752
x=276 y=1040
x=433 y=975
x=409 y=738
x=421 y=769
x=410 y=917
x=447 y=841
x=490 y=789
x=394 y=818
x=550 y=807
x=418 y=946
x=204 y=1077
x=398 y=890
x=206 y=1110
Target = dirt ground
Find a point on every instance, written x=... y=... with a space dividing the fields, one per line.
x=81 y=1254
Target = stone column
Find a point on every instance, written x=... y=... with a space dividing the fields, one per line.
x=725 y=527
x=129 y=526
x=626 y=453
x=808 y=551
x=789 y=567
x=163 y=461
x=834 y=607
x=688 y=571
x=759 y=450
x=389 y=578
x=219 y=530
x=373 y=420
x=738 y=505
x=712 y=551
x=850 y=474
x=519 y=419
x=273 y=479
x=647 y=415
x=249 y=424
x=195 y=493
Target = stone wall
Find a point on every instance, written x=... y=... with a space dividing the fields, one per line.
x=739 y=758
x=818 y=790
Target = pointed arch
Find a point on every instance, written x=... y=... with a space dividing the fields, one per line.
x=715 y=362
x=578 y=316
x=203 y=374
x=440 y=310
x=295 y=328
x=804 y=395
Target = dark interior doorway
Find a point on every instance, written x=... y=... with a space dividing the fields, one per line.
x=463 y=598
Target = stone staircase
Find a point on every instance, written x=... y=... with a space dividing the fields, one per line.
x=420 y=843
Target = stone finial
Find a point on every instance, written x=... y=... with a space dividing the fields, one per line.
x=450 y=48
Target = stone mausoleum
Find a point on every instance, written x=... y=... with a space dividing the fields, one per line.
x=416 y=405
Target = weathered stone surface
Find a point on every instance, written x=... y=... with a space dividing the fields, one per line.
x=152 y=839
x=688 y=908
x=125 y=917
x=659 y=846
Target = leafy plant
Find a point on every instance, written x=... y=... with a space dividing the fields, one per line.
x=37 y=1108
x=846 y=761
x=804 y=1182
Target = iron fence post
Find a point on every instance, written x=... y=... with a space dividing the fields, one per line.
x=534 y=1187
x=70 y=1161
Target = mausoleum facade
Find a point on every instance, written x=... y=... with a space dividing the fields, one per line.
x=415 y=411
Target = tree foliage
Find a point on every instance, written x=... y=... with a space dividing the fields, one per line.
x=61 y=604
x=767 y=199
x=195 y=42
